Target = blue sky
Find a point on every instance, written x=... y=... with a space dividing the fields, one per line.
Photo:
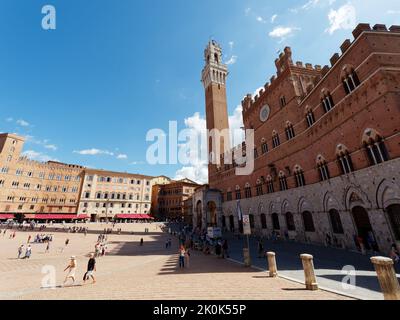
x=89 y=91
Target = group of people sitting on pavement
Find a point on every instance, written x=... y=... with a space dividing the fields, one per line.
x=78 y=230
x=42 y=238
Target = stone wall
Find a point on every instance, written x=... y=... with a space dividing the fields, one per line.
x=374 y=189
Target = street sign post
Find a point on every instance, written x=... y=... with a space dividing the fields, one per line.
x=246 y=225
x=247 y=233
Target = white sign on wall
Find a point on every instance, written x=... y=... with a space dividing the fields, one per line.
x=246 y=225
x=214 y=232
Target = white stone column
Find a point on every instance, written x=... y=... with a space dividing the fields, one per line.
x=308 y=266
x=387 y=277
x=273 y=272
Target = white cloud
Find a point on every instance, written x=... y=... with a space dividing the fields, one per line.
x=393 y=12
x=343 y=18
x=261 y=19
x=231 y=44
x=122 y=156
x=198 y=169
x=282 y=32
x=44 y=143
x=22 y=123
x=94 y=152
x=273 y=18
x=37 y=156
x=134 y=163
x=232 y=60
x=51 y=147
x=310 y=4
x=197 y=173
x=236 y=125
x=247 y=11
x=9 y=119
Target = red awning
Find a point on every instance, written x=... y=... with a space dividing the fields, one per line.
x=82 y=216
x=6 y=216
x=146 y=216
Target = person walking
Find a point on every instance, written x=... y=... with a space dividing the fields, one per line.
x=218 y=248
x=187 y=256
x=72 y=268
x=225 y=249
x=260 y=249
x=182 y=253
x=91 y=268
x=394 y=255
x=47 y=247
x=65 y=245
x=28 y=252
x=141 y=241
x=29 y=239
x=20 y=250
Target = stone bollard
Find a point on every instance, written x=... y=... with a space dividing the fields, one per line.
x=246 y=257
x=273 y=272
x=308 y=266
x=387 y=277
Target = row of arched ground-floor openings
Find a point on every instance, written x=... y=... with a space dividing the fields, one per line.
x=364 y=231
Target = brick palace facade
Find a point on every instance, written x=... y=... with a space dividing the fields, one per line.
x=327 y=147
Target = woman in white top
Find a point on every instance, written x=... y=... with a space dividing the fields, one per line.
x=72 y=268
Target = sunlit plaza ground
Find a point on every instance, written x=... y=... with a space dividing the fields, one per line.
x=131 y=271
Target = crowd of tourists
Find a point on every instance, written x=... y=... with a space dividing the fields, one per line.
x=100 y=247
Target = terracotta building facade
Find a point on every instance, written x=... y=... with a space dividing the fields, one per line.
x=327 y=147
x=44 y=191
x=34 y=189
x=169 y=198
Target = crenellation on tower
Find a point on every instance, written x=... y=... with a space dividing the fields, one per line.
x=394 y=28
x=345 y=45
x=214 y=71
x=335 y=58
x=360 y=28
x=379 y=27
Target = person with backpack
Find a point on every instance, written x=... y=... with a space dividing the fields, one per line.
x=182 y=253
x=20 y=249
x=91 y=268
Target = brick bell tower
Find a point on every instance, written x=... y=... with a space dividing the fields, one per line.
x=214 y=77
